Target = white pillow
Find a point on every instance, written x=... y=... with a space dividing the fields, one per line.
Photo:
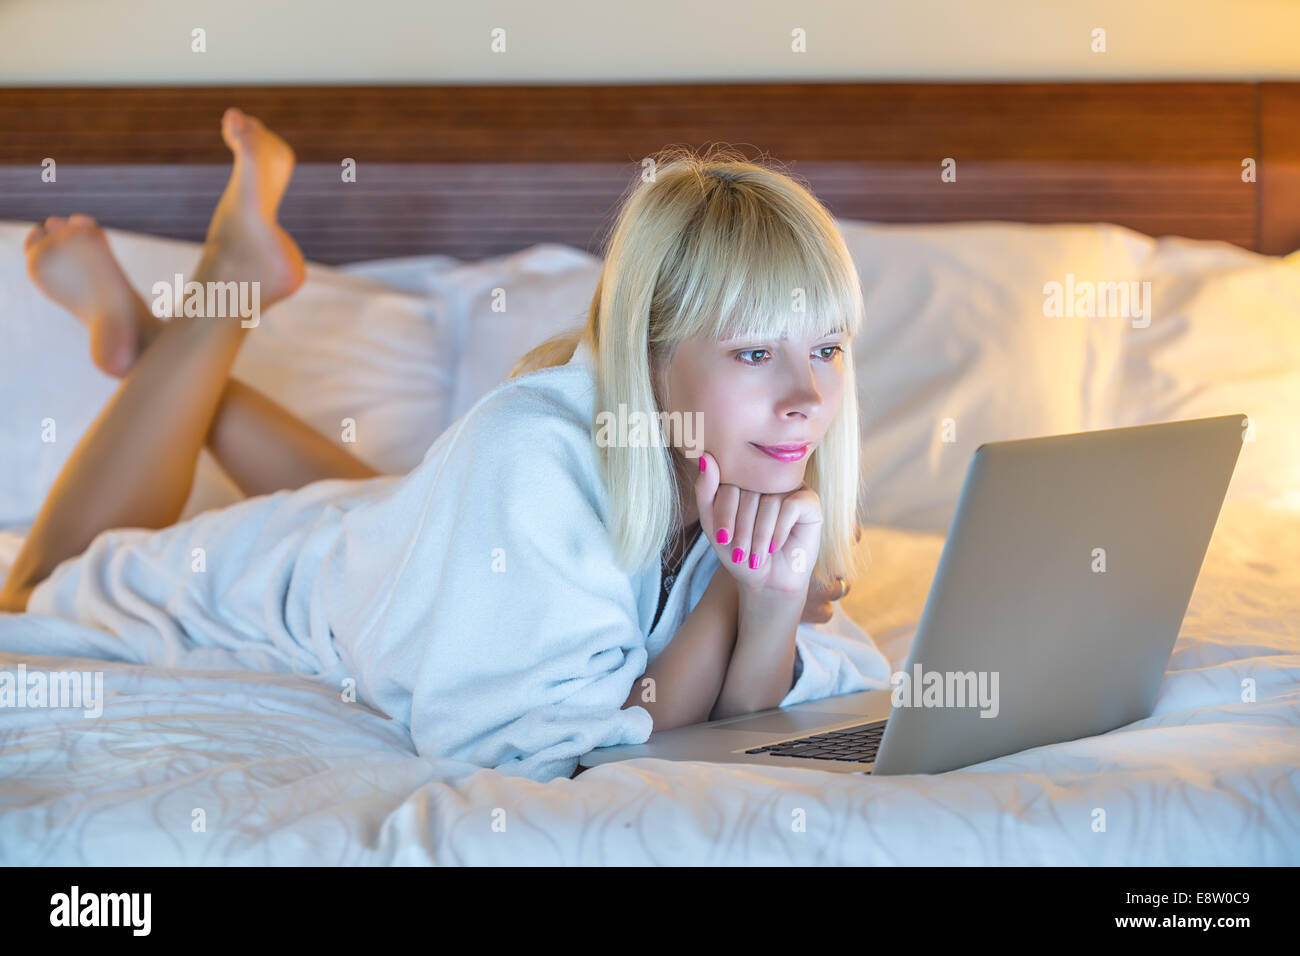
x=956 y=350
x=341 y=347
x=506 y=305
x=1224 y=337
x=956 y=327
x=405 y=274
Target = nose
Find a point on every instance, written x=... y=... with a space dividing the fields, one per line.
x=801 y=396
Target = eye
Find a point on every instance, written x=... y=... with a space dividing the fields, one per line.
x=832 y=349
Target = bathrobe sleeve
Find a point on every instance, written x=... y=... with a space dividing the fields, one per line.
x=836 y=657
x=479 y=600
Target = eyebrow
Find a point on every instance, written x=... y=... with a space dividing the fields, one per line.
x=783 y=338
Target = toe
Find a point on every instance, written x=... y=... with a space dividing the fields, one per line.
x=55 y=222
x=33 y=237
x=122 y=358
x=232 y=124
x=80 y=219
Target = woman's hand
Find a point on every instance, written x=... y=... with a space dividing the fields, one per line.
x=819 y=608
x=790 y=523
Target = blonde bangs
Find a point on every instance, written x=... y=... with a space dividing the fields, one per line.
x=758 y=270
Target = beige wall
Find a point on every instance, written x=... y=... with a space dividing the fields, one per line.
x=92 y=42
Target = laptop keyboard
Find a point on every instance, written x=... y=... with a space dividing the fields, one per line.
x=858 y=744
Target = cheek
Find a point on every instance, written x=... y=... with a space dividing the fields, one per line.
x=725 y=418
x=721 y=412
x=731 y=423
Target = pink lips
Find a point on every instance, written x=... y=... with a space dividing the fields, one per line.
x=784 y=452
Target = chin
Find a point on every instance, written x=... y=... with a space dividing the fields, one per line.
x=764 y=475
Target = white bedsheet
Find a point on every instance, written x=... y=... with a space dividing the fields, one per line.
x=279 y=770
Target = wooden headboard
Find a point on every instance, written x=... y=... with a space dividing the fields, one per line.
x=471 y=171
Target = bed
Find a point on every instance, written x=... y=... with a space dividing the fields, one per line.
x=1107 y=182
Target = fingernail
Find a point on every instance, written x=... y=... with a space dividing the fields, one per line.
x=737 y=556
x=753 y=561
x=722 y=536
x=701 y=463
x=771 y=548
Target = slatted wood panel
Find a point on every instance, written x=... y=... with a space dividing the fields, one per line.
x=475 y=171
x=1279 y=176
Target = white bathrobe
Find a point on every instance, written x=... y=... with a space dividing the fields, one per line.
x=475 y=599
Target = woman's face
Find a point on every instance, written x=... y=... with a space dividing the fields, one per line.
x=752 y=392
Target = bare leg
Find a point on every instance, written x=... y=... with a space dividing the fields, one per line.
x=135 y=465
x=261 y=445
x=264 y=447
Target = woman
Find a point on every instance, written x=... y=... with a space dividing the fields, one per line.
x=502 y=597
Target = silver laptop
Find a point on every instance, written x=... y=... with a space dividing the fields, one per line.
x=1055 y=606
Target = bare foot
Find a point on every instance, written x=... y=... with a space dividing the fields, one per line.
x=244 y=241
x=70 y=261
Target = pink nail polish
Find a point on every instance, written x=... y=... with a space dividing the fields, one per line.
x=738 y=555
x=771 y=548
x=701 y=463
x=722 y=536
x=753 y=562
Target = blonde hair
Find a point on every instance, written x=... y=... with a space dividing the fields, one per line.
x=715 y=245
